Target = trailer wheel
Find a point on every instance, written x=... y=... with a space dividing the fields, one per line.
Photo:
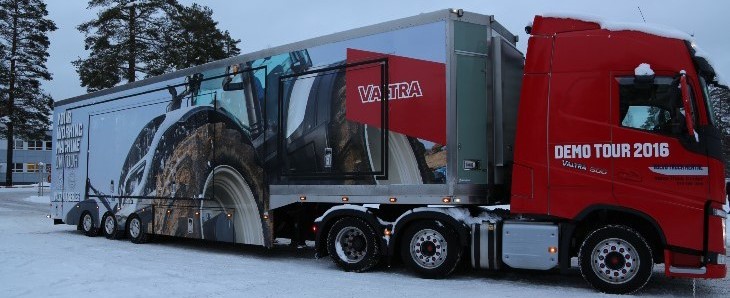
x=616 y=260
x=110 y=229
x=87 y=225
x=431 y=249
x=353 y=245
x=136 y=231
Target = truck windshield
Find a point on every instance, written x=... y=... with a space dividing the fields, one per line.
x=708 y=101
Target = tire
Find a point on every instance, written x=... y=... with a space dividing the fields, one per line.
x=87 y=225
x=109 y=227
x=609 y=256
x=354 y=245
x=432 y=250
x=136 y=231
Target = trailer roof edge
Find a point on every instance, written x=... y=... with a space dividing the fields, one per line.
x=412 y=21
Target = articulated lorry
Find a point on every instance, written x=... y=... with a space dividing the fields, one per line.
x=394 y=142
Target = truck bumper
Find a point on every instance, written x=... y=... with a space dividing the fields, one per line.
x=715 y=268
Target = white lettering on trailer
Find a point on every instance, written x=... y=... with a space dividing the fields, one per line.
x=68 y=141
x=68 y=197
x=620 y=150
x=402 y=90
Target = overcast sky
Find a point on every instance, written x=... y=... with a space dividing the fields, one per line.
x=262 y=24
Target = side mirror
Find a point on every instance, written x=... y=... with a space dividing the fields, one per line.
x=688 y=113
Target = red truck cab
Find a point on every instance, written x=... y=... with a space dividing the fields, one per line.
x=608 y=136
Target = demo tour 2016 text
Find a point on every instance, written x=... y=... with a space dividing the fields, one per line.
x=621 y=150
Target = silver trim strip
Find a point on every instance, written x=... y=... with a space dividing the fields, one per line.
x=467 y=53
x=682 y=270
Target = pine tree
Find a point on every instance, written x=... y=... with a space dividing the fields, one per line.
x=133 y=38
x=24 y=43
x=720 y=97
x=194 y=38
x=121 y=40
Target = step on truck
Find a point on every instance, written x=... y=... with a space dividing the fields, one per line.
x=429 y=140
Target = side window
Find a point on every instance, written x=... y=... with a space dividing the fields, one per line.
x=654 y=107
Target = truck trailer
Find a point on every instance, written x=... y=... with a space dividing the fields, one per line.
x=429 y=140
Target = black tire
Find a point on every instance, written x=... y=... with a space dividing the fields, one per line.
x=354 y=245
x=87 y=224
x=109 y=227
x=136 y=231
x=608 y=258
x=432 y=250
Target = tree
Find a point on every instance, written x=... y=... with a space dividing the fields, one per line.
x=133 y=38
x=720 y=97
x=24 y=43
x=121 y=40
x=194 y=38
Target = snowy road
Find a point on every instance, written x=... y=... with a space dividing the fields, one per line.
x=40 y=259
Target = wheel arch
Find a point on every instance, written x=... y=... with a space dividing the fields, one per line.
x=73 y=216
x=590 y=218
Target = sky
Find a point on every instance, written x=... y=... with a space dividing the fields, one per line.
x=263 y=24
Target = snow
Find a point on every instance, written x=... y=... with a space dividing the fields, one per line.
x=644 y=69
x=342 y=207
x=460 y=214
x=38 y=199
x=655 y=29
x=41 y=259
x=24 y=188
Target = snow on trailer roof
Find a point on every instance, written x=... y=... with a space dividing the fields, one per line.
x=649 y=28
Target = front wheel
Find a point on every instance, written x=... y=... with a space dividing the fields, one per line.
x=616 y=260
x=431 y=249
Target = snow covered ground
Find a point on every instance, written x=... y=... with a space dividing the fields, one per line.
x=40 y=259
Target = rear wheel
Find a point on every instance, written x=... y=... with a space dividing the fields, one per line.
x=431 y=249
x=616 y=260
x=353 y=245
x=136 y=231
x=88 y=226
x=110 y=227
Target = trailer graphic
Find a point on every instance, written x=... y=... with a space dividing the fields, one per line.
x=391 y=142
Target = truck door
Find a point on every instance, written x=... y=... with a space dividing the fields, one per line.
x=657 y=168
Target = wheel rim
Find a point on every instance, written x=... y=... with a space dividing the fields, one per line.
x=615 y=261
x=87 y=222
x=351 y=245
x=109 y=225
x=428 y=248
x=134 y=228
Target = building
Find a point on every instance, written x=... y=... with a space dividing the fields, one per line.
x=31 y=160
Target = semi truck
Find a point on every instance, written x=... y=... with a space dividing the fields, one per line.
x=429 y=140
